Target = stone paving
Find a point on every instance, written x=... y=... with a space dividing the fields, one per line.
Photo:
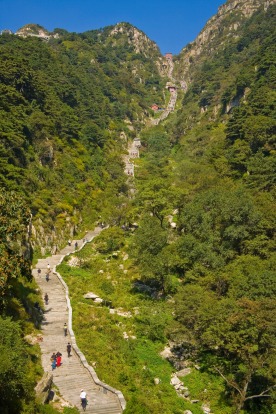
x=74 y=374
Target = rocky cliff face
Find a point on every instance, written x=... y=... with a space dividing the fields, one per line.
x=218 y=31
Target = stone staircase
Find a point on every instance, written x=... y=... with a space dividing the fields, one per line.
x=173 y=97
x=74 y=374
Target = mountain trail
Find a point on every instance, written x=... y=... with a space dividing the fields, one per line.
x=173 y=94
x=74 y=374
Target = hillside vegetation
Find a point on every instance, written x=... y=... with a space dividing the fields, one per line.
x=67 y=107
x=187 y=263
x=217 y=183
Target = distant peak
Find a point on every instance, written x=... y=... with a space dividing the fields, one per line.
x=35 y=30
x=135 y=36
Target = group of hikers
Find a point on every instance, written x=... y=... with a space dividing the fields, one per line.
x=47 y=274
x=56 y=360
x=70 y=243
x=56 y=357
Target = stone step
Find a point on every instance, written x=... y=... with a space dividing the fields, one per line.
x=71 y=376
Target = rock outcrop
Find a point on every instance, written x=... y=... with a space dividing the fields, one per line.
x=35 y=30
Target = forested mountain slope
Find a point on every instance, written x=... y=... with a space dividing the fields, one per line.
x=68 y=105
x=224 y=27
x=233 y=93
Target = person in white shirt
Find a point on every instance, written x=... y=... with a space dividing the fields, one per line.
x=83 y=399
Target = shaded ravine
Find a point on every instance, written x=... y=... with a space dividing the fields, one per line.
x=75 y=373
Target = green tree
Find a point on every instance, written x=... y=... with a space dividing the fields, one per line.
x=16 y=387
x=15 y=250
x=149 y=241
x=236 y=340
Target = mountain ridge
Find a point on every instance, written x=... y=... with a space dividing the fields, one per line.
x=216 y=31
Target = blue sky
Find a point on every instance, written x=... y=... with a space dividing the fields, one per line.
x=171 y=23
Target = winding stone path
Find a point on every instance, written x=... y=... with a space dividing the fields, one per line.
x=173 y=97
x=74 y=374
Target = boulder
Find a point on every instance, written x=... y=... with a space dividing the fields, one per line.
x=183 y=372
x=90 y=295
x=206 y=409
x=175 y=380
x=166 y=353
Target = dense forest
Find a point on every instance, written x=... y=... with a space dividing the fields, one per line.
x=189 y=251
x=65 y=105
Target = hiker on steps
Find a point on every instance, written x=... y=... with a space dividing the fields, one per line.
x=83 y=400
x=58 y=359
x=69 y=347
x=48 y=271
x=46 y=298
x=53 y=361
x=65 y=329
